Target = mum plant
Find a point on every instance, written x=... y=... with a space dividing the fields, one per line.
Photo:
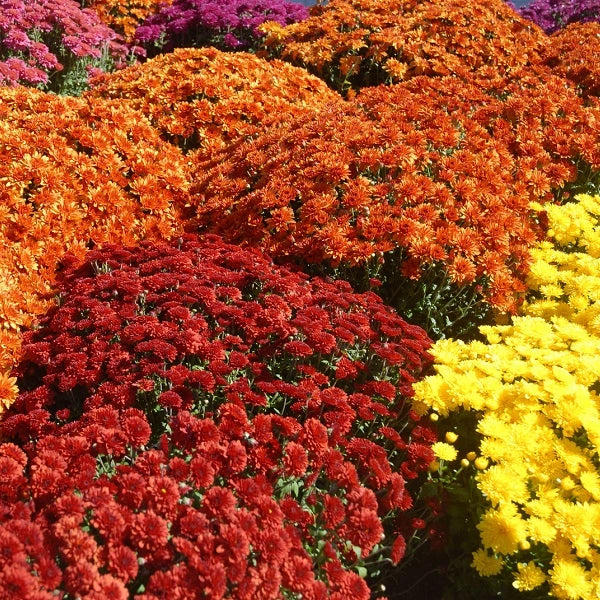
x=572 y=53
x=552 y=15
x=358 y=43
x=125 y=16
x=75 y=173
x=524 y=405
x=196 y=422
x=205 y=100
x=230 y=25
x=54 y=44
x=403 y=186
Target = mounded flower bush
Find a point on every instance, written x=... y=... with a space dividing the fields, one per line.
x=197 y=422
x=54 y=44
x=207 y=99
x=75 y=173
x=404 y=186
x=532 y=474
x=572 y=53
x=549 y=130
x=229 y=25
x=359 y=43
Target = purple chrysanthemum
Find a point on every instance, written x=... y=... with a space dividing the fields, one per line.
x=228 y=25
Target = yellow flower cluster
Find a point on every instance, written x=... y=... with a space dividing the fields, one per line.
x=535 y=383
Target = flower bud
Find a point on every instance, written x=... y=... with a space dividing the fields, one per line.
x=481 y=463
x=451 y=437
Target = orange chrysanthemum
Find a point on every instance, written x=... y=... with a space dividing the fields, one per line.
x=357 y=43
x=126 y=15
x=405 y=169
x=206 y=99
x=573 y=53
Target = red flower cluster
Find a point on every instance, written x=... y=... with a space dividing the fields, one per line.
x=196 y=422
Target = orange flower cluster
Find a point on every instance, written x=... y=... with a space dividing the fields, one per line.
x=205 y=99
x=537 y=116
x=405 y=168
x=357 y=43
x=124 y=16
x=73 y=173
x=573 y=53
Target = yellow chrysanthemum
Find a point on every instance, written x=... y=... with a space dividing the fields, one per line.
x=501 y=484
x=444 y=451
x=569 y=580
x=485 y=564
x=502 y=529
x=528 y=577
x=541 y=530
x=590 y=480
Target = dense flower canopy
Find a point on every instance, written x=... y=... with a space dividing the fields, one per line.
x=42 y=40
x=552 y=15
x=125 y=16
x=573 y=53
x=534 y=386
x=208 y=99
x=356 y=43
x=353 y=182
x=191 y=398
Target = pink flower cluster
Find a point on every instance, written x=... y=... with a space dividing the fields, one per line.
x=38 y=36
x=196 y=422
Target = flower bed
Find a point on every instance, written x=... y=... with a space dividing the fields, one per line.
x=54 y=43
x=186 y=416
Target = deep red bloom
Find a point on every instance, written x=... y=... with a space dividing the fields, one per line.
x=236 y=457
x=295 y=460
x=16 y=582
x=219 y=502
x=137 y=430
x=398 y=549
x=148 y=531
x=314 y=437
x=122 y=562
x=109 y=521
x=170 y=399
x=334 y=512
x=12 y=550
x=162 y=494
x=202 y=472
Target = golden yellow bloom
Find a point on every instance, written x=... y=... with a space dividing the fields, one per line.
x=501 y=484
x=528 y=577
x=502 y=529
x=485 y=564
x=590 y=480
x=444 y=451
x=451 y=437
x=569 y=580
